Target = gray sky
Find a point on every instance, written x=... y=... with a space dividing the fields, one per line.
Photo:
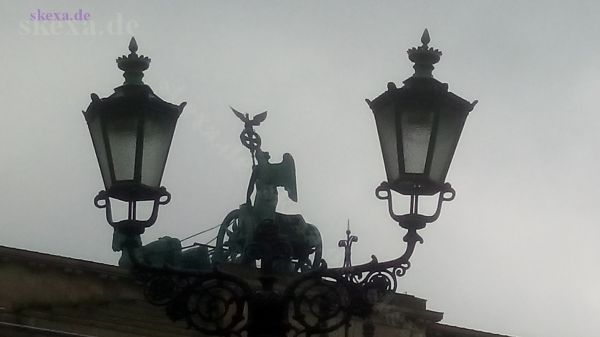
x=516 y=252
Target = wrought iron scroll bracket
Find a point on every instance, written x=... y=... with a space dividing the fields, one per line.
x=383 y=276
x=376 y=275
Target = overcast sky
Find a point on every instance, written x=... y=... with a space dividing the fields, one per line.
x=515 y=253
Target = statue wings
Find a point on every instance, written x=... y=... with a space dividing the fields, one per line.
x=281 y=174
x=249 y=123
x=287 y=176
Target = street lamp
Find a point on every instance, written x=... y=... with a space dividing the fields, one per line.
x=132 y=131
x=418 y=125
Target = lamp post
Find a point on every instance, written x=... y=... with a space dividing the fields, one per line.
x=419 y=126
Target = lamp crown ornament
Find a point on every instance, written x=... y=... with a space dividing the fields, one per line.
x=133 y=65
x=424 y=57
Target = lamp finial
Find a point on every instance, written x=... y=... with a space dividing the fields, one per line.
x=133 y=47
x=133 y=65
x=425 y=39
x=424 y=57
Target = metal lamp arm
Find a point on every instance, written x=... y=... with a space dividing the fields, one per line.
x=383 y=275
x=343 y=292
x=375 y=265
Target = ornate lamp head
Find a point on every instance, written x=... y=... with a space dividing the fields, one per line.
x=419 y=126
x=132 y=131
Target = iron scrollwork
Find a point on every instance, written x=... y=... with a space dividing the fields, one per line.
x=213 y=302
x=319 y=304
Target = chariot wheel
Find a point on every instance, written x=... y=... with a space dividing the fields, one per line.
x=234 y=233
x=230 y=240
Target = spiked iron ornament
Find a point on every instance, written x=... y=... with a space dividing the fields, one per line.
x=286 y=285
x=347 y=245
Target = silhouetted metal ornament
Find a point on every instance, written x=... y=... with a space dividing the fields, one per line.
x=347 y=245
x=132 y=131
x=419 y=126
x=320 y=305
x=249 y=138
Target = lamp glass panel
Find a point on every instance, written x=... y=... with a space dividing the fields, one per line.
x=385 y=119
x=416 y=132
x=95 y=127
x=122 y=129
x=158 y=133
x=450 y=126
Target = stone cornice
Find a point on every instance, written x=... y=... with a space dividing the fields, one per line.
x=69 y=265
